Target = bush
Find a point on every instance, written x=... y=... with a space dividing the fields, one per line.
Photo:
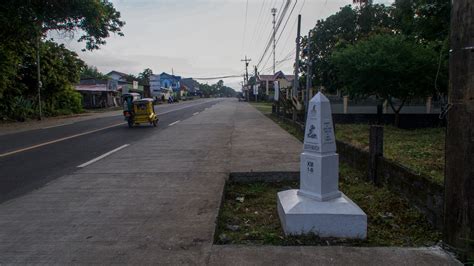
x=69 y=99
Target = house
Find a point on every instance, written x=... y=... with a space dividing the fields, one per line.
x=190 y=86
x=164 y=84
x=123 y=84
x=118 y=76
x=266 y=82
x=98 y=93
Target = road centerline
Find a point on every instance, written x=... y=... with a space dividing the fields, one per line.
x=174 y=123
x=57 y=140
x=84 y=133
x=102 y=156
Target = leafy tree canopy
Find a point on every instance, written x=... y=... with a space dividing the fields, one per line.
x=93 y=19
x=144 y=77
x=387 y=66
x=88 y=72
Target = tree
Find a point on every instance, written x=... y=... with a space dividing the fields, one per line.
x=23 y=25
x=425 y=20
x=88 y=72
x=144 y=77
x=389 y=67
x=344 y=28
x=61 y=69
x=27 y=20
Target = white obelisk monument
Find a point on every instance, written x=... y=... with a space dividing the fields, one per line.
x=318 y=206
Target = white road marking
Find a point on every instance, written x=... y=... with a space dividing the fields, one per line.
x=196 y=113
x=57 y=140
x=175 y=122
x=181 y=108
x=82 y=134
x=102 y=156
x=60 y=125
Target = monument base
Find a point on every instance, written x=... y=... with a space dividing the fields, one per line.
x=338 y=217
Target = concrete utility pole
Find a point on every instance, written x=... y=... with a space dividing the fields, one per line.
x=297 y=65
x=459 y=173
x=256 y=87
x=246 y=75
x=274 y=10
x=309 y=81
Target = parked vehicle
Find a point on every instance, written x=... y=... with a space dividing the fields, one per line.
x=143 y=112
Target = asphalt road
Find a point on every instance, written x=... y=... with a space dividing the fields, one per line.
x=32 y=158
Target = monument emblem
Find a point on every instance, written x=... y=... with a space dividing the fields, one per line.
x=311 y=133
x=318 y=206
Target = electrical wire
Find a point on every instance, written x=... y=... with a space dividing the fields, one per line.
x=245 y=23
x=277 y=26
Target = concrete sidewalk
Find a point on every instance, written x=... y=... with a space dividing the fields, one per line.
x=156 y=202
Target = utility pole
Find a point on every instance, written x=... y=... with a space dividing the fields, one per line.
x=274 y=10
x=459 y=178
x=246 y=75
x=256 y=87
x=297 y=66
x=38 y=70
x=309 y=74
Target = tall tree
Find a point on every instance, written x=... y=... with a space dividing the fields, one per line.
x=346 y=27
x=91 y=72
x=389 y=67
x=94 y=20
x=144 y=77
x=24 y=23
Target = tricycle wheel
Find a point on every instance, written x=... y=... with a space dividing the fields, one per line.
x=155 y=122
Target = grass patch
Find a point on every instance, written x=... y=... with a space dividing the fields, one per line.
x=249 y=216
x=264 y=107
x=421 y=150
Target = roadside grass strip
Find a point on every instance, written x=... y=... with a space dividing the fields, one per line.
x=421 y=150
x=249 y=216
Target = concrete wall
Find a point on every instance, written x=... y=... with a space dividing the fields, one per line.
x=423 y=193
x=407 y=121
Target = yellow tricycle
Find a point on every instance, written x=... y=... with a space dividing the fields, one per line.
x=143 y=112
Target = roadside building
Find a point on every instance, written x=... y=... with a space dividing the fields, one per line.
x=191 y=86
x=98 y=93
x=265 y=84
x=124 y=83
x=164 y=85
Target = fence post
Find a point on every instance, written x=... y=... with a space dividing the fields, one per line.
x=375 y=151
x=346 y=103
x=428 y=104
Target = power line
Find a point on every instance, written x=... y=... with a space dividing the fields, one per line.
x=291 y=29
x=280 y=19
x=221 y=77
x=258 y=20
x=245 y=24
x=286 y=22
x=264 y=26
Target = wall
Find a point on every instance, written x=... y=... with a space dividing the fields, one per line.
x=423 y=193
x=407 y=121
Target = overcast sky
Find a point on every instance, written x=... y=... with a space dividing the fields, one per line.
x=201 y=38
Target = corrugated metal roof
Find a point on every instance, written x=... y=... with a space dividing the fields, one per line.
x=95 y=87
